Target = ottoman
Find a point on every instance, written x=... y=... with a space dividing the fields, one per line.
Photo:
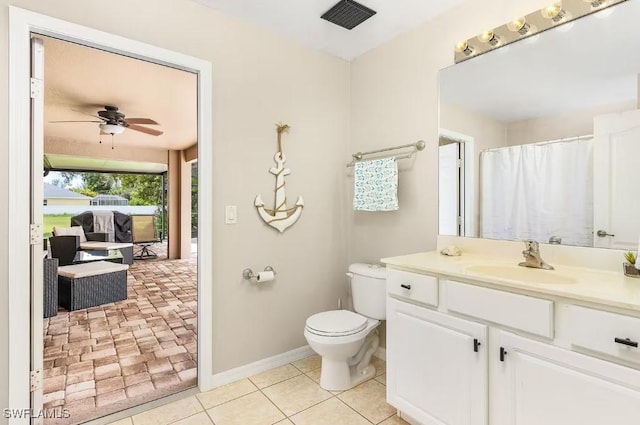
x=91 y=284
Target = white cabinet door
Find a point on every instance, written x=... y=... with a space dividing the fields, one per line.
x=539 y=384
x=436 y=366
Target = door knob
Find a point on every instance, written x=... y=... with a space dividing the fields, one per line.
x=603 y=233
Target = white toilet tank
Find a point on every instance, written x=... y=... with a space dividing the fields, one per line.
x=369 y=290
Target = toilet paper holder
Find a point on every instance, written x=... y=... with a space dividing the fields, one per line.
x=249 y=274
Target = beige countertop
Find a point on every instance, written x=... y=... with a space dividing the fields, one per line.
x=607 y=288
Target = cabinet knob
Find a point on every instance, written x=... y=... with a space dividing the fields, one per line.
x=503 y=353
x=626 y=341
x=406 y=286
x=476 y=345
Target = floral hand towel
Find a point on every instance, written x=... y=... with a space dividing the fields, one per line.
x=376 y=185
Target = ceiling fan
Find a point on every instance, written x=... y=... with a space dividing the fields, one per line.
x=114 y=122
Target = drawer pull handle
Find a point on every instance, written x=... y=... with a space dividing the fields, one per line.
x=476 y=345
x=626 y=341
x=503 y=353
x=406 y=286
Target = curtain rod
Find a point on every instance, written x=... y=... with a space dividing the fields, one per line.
x=546 y=142
x=418 y=146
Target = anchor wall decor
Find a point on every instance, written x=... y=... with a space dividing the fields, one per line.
x=280 y=217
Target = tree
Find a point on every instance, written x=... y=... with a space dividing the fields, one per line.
x=67 y=177
x=98 y=182
x=139 y=189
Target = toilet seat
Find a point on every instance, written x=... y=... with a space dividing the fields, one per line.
x=336 y=323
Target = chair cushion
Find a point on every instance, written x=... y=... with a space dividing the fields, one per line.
x=70 y=231
x=76 y=271
x=104 y=246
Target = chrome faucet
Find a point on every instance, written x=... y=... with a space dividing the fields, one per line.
x=532 y=256
x=555 y=240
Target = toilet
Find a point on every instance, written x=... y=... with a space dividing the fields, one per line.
x=345 y=339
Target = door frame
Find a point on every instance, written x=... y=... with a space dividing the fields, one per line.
x=470 y=210
x=22 y=23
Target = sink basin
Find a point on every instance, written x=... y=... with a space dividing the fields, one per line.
x=519 y=273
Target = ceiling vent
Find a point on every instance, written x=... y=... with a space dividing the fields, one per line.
x=348 y=14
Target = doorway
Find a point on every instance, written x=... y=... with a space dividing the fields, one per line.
x=456 y=185
x=22 y=25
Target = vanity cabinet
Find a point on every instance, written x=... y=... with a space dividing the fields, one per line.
x=436 y=365
x=537 y=383
x=478 y=355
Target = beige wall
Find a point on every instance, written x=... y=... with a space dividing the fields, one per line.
x=67 y=201
x=572 y=124
x=259 y=79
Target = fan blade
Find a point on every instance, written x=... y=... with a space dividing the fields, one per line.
x=91 y=115
x=54 y=122
x=141 y=129
x=140 y=121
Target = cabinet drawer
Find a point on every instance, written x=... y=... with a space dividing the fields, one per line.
x=413 y=286
x=529 y=314
x=613 y=334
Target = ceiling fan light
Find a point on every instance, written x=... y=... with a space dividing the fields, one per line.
x=112 y=129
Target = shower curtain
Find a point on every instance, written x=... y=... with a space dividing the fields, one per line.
x=536 y=191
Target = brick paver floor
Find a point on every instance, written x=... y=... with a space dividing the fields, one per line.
x=108 y=358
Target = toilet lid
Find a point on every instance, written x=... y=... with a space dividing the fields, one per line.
x=336 y=323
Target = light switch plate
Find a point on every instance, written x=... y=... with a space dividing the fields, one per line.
x=230 y=214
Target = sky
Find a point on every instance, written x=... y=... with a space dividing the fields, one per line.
x=53 y=175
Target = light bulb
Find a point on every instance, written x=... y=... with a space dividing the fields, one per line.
x=554 y=12
x=519 y=25
x=489 y=37
x=463 y=47
x=596 y=3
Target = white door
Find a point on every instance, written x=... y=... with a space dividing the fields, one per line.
x=450 y=190
x=37 y=125
x=436 y=366
x=538 y=384
x=616 y=202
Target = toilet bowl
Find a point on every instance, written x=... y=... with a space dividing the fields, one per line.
x=346 y=340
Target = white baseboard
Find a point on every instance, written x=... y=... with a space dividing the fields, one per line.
x=407 y=418
x=263 y=365
x=381 y=353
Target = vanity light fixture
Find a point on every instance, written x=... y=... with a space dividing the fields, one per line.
x=554 y=15
x=554 y=12
x=519 y=25
x=465 y=48
x=489 y=37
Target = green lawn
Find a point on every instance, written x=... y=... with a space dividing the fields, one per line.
x=60 y=220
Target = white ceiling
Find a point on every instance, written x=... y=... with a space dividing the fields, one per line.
x=300 y=19
x=590 y=62
x=79 y=81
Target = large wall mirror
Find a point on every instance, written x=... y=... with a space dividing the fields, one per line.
x=540 y=139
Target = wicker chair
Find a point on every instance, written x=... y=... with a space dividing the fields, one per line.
x=50 y=287
x=65 y=247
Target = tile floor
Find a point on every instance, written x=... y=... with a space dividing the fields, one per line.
x=108 y=358
x=286 y=395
